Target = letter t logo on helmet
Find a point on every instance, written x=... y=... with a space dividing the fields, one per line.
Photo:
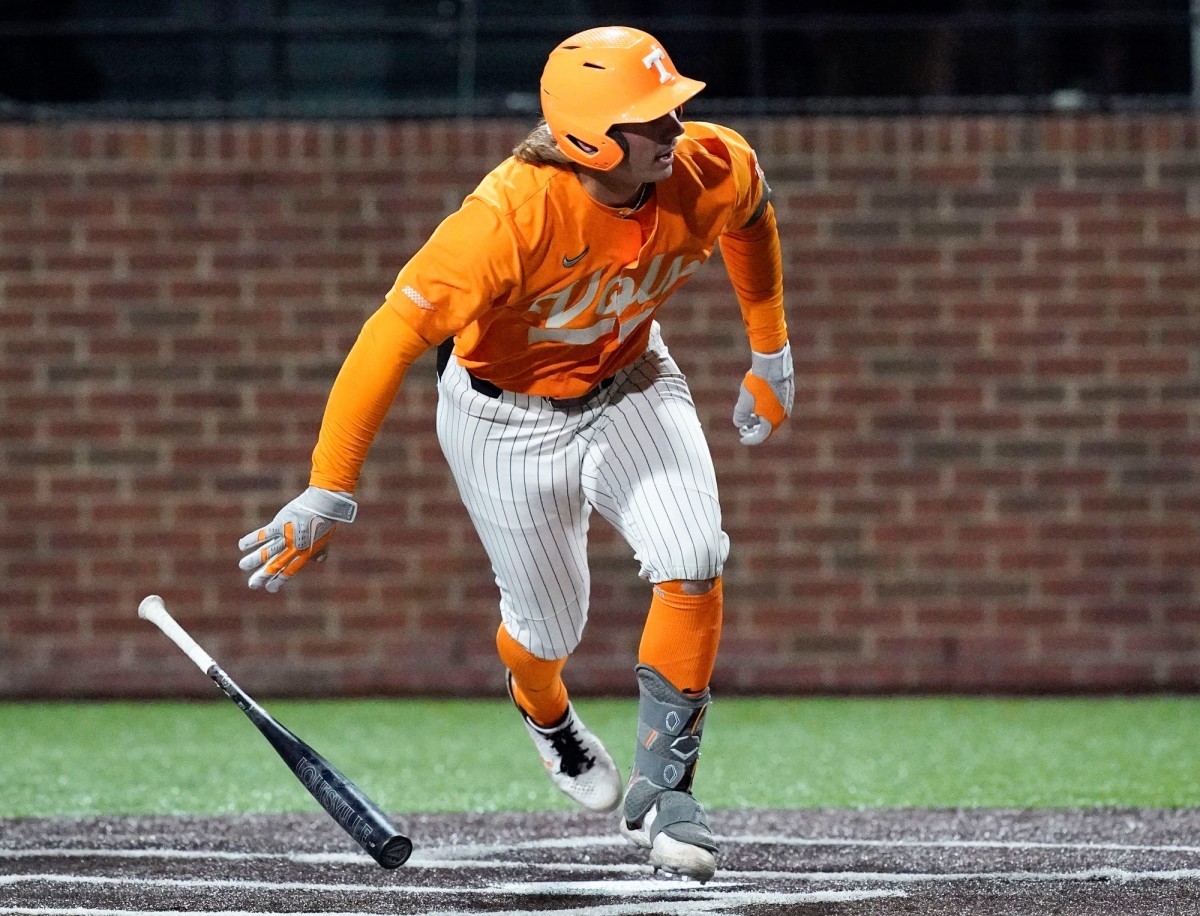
x=606 y=76
x=655 y=59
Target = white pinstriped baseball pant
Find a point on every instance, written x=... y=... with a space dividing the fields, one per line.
x=530 y=473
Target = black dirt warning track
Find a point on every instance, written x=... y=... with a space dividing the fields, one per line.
x=838 y=862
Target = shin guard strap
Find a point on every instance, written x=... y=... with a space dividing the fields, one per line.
x=682 y=818
x=670 y=725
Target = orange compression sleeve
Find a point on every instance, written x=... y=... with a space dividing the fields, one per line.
x=682 y=633
x=538 y=687
x=755 y=267
x=361 y=395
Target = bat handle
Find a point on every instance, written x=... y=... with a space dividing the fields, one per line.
x=153 y=609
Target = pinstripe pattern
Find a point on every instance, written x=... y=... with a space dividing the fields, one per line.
x=530 y=474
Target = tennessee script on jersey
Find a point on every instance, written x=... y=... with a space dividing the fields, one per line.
x=619 y=304
x=547 y=291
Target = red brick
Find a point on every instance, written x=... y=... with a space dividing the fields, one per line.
x=991 y=438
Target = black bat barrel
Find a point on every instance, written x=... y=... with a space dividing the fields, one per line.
x=354 y=812
x=346 y=804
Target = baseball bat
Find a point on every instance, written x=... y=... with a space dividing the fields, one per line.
x=346 y=803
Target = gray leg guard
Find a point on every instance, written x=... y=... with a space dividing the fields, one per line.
x=659 y=812
x=669 y=728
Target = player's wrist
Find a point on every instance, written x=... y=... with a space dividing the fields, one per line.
x=337 y=505
x=773 y=366
x=783 y=351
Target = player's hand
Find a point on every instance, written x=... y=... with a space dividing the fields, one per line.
x=766 y=397
x=299 y=533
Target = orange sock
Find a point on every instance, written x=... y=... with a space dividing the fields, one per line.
x=537 y=683
x=681 y=635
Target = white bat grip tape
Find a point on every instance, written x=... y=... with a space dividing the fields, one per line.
x=153 y=609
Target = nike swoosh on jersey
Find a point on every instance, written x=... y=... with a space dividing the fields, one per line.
x=571 y=262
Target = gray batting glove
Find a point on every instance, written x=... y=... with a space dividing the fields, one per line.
x=765 y=400
x=299 y=533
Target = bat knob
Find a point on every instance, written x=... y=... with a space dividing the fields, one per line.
x=394 y=852
x=150 y=604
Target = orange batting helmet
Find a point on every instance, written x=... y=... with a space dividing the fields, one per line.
x=606 y=76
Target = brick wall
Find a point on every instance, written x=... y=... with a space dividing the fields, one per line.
x=989 y=483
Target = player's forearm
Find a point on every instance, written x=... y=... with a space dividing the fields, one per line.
x=755 y=267
x=361 y=395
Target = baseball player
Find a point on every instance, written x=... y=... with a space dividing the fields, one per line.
x=557 y=396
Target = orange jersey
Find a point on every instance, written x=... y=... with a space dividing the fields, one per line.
x=548 y=292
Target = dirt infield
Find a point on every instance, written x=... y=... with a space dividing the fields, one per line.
x=835 y=862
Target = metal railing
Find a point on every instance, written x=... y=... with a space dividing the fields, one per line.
x=219 y=59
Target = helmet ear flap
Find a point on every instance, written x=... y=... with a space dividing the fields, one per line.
x=605 y=156
x=619 y=139
x=586 y=147
x=613 y=134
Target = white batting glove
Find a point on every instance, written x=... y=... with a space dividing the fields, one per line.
x=765 y=400
x=299 y=533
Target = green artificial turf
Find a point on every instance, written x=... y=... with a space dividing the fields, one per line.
x=441 y=756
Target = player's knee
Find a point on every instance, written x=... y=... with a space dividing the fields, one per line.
x=691 y=568
x=691 y=588
x=532 y=671
x=696 y=586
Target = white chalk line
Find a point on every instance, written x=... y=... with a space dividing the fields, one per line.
x=689 y=898
x=689 y=907
x=1119 y=875
x=1016 y=845
x=655 y=908
x=457 y=855
x=698 y=899
x=558 y=888
x=307 y=858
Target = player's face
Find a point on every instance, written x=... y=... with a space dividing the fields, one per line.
x=651 y=153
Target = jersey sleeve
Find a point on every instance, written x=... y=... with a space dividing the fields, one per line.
x=751 y=193
x=750 y=243
x=754 y=263
x=469 y=264
x=363 y=391
x=466 y=266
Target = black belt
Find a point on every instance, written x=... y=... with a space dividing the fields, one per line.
x=484 y=387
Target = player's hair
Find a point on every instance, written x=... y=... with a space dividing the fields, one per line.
x=540 y=148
